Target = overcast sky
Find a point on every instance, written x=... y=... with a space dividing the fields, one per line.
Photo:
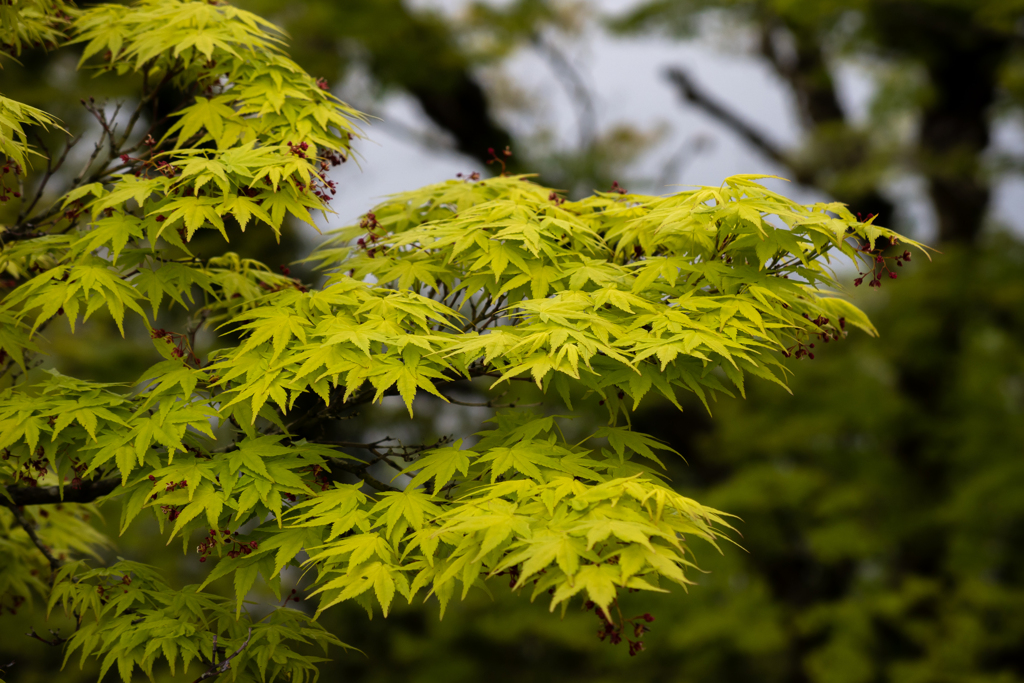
x=625 y=77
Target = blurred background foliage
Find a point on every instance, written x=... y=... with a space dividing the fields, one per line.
x=882 y=504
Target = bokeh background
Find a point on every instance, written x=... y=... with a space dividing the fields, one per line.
x=881 y=505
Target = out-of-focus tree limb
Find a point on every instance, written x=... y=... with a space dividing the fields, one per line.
x=693 y=94
x=50 y=495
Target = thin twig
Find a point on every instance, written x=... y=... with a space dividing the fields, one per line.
x=90 y=162
x=24 y=524
x=356 y=444
x=217 y=669
x=174 y=71
x=368 y=478
x=491 y=404
x=57 y=640
x=51 y=168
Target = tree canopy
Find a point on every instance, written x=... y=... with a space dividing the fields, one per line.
x=230 y=445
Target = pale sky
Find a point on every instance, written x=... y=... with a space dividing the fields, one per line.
x=626 y=79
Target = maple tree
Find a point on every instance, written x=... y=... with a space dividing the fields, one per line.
x=495 y=284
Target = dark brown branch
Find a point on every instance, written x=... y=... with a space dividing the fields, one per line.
x=57 y=640
x=805 y=69
x=694 y=95
x=36 y=541
x=361 y=472
x=50 y=495
x=217 y=669
x=51 y=168
x=357 y=444
x=144 y=102
x=586 y=116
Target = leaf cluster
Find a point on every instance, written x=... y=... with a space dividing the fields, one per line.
x=495 y=285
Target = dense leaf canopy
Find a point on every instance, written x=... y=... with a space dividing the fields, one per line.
x=494 y=281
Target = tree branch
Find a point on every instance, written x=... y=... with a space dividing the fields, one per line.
x=50 y=495
x=24 y=524
x=217 y=669
x=51 y=168
x=694 y=95
x=586 y=116
x=57 y=640
x=805 y=70
x=361 y=472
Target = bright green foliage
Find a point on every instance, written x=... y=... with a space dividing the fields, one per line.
x=881 y=508
x=612 y=297
x=14 y=116
x=32 y=22
x=131 y=616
